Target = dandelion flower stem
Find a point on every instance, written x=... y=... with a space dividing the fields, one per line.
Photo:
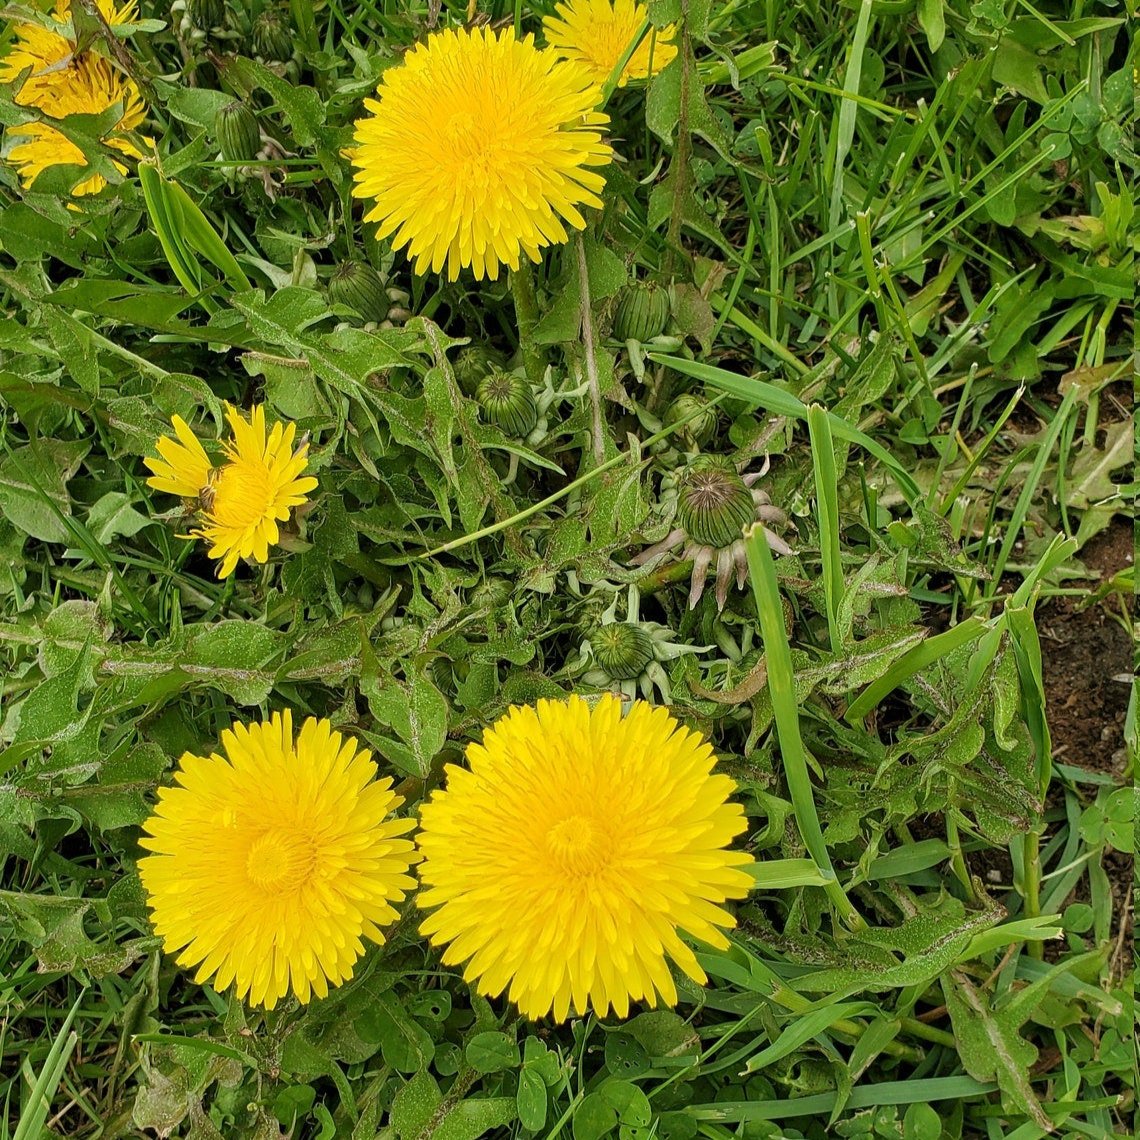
x=596 y=418
x=526 y=315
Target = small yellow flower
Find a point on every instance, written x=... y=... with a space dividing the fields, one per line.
x=242 y=500
x=477 y=149
x=49 y=56
x=568 y=859
x=271 y=865
x=94 y=87
x=596 y=33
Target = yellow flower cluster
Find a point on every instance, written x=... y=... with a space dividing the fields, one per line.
x=53 y=76
x=581 y=849
x=563 y=865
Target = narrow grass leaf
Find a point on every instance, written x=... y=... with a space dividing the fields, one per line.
x=783 y=403
x=35 y=1112
x=827 y=518
x=782 y=685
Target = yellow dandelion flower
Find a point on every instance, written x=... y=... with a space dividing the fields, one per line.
x=94 y=88
x=49 y=55
x=477 y=148
x=243 y=499
x=566 y=861
x=596 y=34
x=271 y=865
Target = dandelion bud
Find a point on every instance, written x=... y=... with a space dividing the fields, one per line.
x=272 y=37
x=473 y=363
x=714 y=504
x=206 y=14
x=356 y=285
x=701 y=426
x=235 y=127
x=641 y=312
x=622 y=649
x=507 y=401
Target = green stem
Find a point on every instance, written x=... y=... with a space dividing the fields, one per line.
x=526 y=314
x=928 y=1032
x=581 y=481
x=957 y=859
x=597 y=417
x=682 y=153
x=1031 y=856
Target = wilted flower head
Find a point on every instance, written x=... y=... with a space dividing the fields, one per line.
x=479 y=148
x=714 y=506
x=564 y=864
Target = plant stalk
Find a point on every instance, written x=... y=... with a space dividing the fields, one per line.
x=526 y=315
x=597 y=420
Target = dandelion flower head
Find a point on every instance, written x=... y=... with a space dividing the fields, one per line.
x=596 y=33
x=242 y=500
x=564 y=864
x=479 y=148
x=49 y=55
x=270 y=866
x=94 y=87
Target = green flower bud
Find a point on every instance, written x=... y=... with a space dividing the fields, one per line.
x=714 y=504
x=473 y=363
x=642 y=312
x=507 y=401
x=622 y=649
x=272 y=37
x=235 y=126
x=700 y=428
x=206 y=14
x=358 y=286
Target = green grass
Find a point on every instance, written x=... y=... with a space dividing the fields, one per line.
x=900 y=239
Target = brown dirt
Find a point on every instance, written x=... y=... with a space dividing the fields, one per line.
x=1084 y=648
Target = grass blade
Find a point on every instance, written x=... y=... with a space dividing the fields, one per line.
x=888 y=1092
x=781 y=682
x=910 y=663
x=785 y=404
x=827 y=517
x=43 y=1091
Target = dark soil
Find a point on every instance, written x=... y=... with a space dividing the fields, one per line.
x=1085 y=649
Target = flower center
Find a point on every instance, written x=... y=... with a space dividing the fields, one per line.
x=474 y=142
x=608 y=45
x=280 y=860
x=578 y=846
x=243 y=494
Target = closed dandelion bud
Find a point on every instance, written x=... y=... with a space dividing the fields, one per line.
x=356 y=285
x=714 y=504
x=272 y=37
x=642 y=312
x=236 y=129
x=700 y=428
x=206 y=14
x=507 y=402
x=473 y=363
x=622 y=649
